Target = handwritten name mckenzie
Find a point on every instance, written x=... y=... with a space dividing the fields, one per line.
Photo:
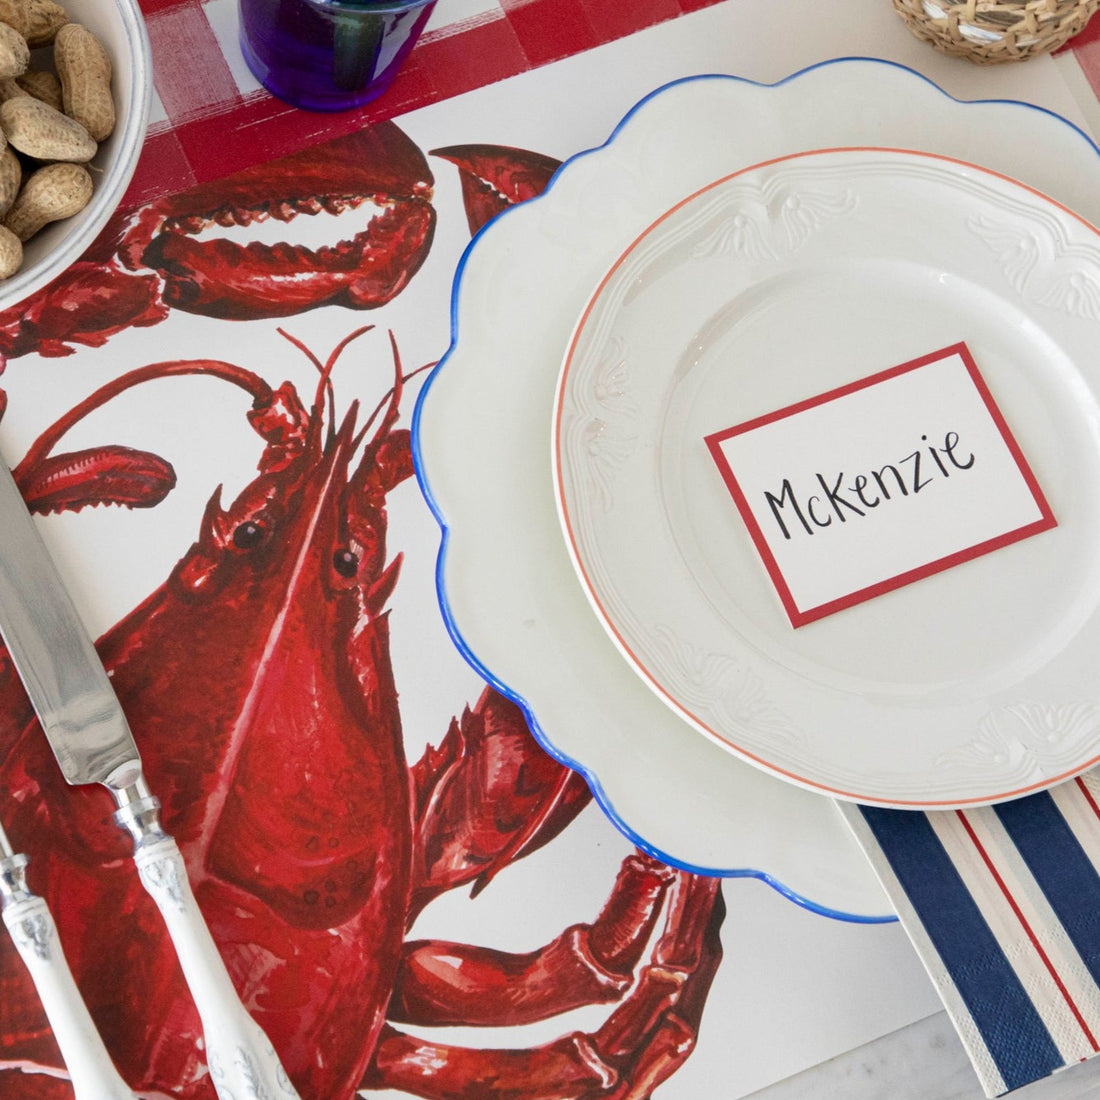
x=908 y=476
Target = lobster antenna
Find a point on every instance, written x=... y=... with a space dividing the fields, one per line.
x=393 y=410
x=330 y=365
x=247 y=380
x=323 y=369
x=386 y=397
x=391 y=399
x=300 y=345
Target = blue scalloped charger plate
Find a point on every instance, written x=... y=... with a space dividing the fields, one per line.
x=482 y=429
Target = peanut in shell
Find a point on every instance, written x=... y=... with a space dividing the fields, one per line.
x=11 y=178
x=84 y=68
x=38 y=21
x=42 y=84
x=39 y=131
x=15 y=55
x=11 y=253
x=51 y=193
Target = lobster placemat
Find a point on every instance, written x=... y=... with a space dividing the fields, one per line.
x=210 y=416
x=397 y=875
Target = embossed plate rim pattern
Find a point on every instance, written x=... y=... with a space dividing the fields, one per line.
x=822 y=210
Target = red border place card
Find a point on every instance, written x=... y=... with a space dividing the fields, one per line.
x=879 y=483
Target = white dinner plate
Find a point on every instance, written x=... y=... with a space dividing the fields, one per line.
x=972 y=678
x=481 y=438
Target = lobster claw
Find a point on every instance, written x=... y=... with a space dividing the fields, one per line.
x=376 y=171
x=495 y=177
x=99 y=475
x=87 y=304
x=487 y=795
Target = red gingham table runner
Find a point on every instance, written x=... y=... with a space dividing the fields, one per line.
x=207 y=125
x=209 y=122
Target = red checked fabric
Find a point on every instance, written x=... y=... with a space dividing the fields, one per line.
x=1086 y=49
x=206 y=127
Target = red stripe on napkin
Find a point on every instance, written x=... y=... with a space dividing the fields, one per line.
x=980 y=848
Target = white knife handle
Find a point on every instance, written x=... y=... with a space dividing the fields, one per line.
x=91 y=1071
x=242 y=1061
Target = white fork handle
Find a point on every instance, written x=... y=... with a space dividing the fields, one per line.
x=91 y=1071
x=243 y=1063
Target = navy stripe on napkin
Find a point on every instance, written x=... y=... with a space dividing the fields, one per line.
x=1012 y=1029
x=1062 y=869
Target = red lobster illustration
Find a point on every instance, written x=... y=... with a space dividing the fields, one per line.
x=169 y=254
x=259 y=686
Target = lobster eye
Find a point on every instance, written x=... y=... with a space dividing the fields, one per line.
x=247 y=535
x=345 y=563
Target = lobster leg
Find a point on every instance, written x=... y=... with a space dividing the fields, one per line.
x=569 y=1068
x=448 y=983
x=642 y=1043
x=652 y=1033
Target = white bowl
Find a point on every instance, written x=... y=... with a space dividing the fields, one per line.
x=119 y=25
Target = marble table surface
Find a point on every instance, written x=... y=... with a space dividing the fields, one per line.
x=924 y=1061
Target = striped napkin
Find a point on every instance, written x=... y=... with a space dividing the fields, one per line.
x=1003 y=905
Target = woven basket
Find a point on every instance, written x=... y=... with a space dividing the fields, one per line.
x=989 y=31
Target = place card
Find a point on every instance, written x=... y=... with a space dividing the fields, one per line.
x=879 y=483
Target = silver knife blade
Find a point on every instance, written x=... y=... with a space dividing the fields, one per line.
x=55 y=657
